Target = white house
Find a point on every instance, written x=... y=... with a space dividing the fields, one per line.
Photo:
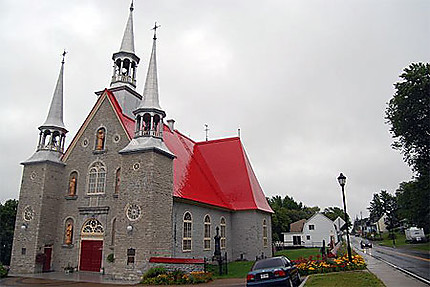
x=311 y=232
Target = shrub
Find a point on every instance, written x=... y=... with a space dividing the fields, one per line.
x=110 y=258
x=3 y=271
x=154 y=272
x=160 y=276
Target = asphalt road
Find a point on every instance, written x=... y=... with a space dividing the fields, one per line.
x=416 y=262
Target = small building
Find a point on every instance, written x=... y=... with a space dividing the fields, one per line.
x=381 y=227
x=311 y=232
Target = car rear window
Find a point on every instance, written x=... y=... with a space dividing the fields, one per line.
x=268 y=263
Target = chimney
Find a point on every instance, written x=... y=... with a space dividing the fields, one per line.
x=171 y=124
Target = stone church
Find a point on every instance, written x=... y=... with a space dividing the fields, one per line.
x=131 y=187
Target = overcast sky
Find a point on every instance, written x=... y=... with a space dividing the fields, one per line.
x=307 y=82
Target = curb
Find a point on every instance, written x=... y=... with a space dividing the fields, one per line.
x=304 y=281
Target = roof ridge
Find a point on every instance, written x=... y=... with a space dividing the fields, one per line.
x=218 y=140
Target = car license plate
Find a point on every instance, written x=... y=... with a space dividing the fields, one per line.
x=264 y=276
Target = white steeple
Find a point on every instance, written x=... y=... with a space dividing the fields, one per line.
x=125 y=61
x=149 y=115
x=52 y=132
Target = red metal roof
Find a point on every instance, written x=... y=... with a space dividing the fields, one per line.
x=216 y=172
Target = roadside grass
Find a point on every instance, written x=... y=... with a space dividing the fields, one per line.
x=295 y=254
x=400 y=239
x=421 y=246
x=349 y=278
x=401 y=242
x=236 y=269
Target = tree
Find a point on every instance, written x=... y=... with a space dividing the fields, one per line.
x=287 y=211
x=7 y=226
x=413 y=200
x=408 y=113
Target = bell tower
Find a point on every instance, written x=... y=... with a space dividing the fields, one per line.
x=41 y=189
x=145 y=212
x=125 y=61
x=123 y=80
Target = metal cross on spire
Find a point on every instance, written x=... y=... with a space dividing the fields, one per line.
x=155 y=30
x=132 y=6
x=206 y=131
x=64 y=55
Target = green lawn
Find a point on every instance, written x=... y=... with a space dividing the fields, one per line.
x=401 y=242
x=350 y=279
x=400 y=239
x=237 y=269
x=294 y=254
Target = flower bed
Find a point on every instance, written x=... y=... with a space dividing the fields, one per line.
x=311 y=266
x=160 y=276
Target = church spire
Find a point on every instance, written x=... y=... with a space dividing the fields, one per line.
x=150 y=92
x=149 y=115
x=55 y=114
x=52 y=132
x=125 y=61
x=127 y=44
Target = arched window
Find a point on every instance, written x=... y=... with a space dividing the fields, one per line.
x=100 y=139
x=187 y=235
x=68 y=231
x=264 y=233
x=223 y=234
x=117 y=180
x=146 y=124
x=207 y=234
x=73 y=182
x=96 y=178
x=92 y=228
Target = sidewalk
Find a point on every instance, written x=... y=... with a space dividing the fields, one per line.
x=83 y=279
x=390 y=276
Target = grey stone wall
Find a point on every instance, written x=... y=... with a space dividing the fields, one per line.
x=148 y=183
x=248 y=234
x=244 y=231
x=39 y=191
x=198 y=213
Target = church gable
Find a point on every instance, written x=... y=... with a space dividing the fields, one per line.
x=94 y=151
x=102 y=131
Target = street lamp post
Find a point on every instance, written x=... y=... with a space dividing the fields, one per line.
x=342 y=181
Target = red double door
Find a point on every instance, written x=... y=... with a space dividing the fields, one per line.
x=91 y=255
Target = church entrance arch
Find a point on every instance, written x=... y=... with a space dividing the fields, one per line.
x=91 y=246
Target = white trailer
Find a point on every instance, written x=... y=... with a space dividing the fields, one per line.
x=415 y=234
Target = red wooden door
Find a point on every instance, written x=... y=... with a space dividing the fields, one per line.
x=47 y=263
x=91 y=255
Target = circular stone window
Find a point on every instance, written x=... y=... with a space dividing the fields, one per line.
x=33 y=175
x=136 y=166
x=28 y=213
x=116 y=138
x=133 y=212
x=85 y=142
